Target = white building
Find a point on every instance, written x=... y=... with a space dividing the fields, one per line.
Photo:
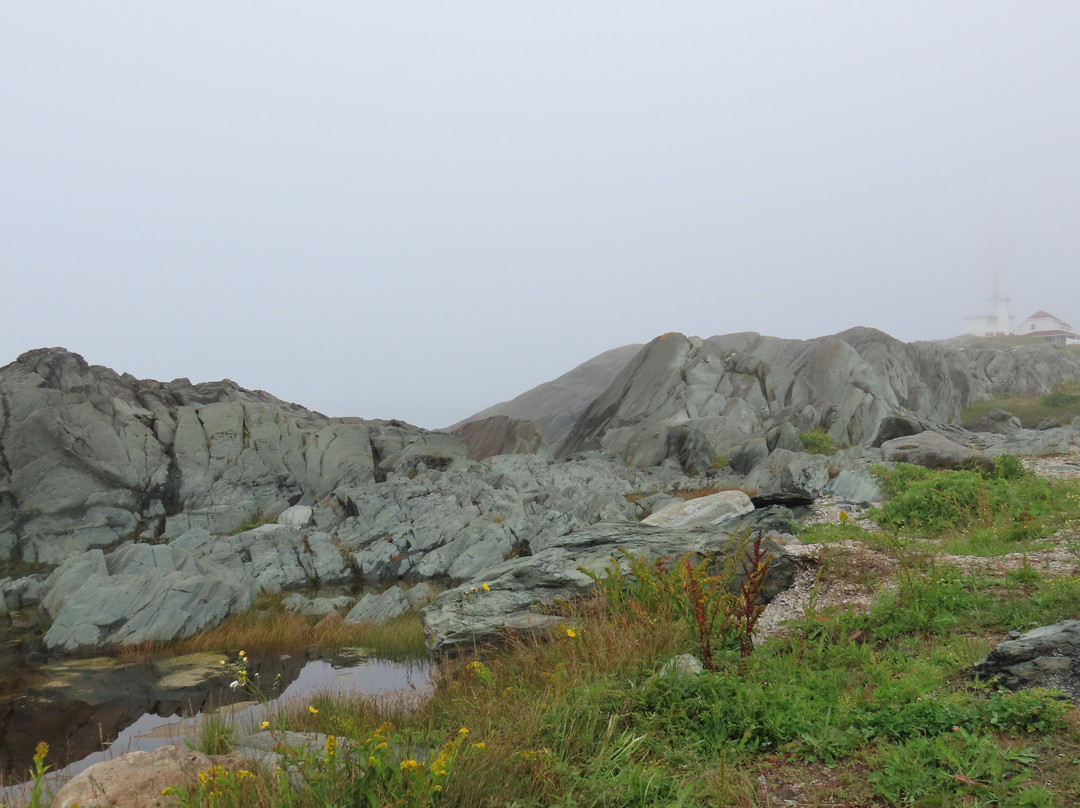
x=1045 y=325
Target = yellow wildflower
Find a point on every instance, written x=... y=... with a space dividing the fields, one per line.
x=264 y=725
x=485 y=587
x=408 y=764
x=313 y=710
x=480 y=745
x=463 y=731
x=571 y=633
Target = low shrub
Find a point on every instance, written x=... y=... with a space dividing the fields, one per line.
x=817 y=441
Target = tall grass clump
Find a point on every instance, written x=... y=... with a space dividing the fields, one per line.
x=285 y=631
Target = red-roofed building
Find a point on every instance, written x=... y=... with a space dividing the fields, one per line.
x=1045 y=325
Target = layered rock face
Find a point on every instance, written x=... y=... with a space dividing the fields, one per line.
x=160 y=508
x=136 y=510
x=743 y=396
x=91 y=458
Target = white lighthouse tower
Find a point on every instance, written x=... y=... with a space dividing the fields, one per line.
x=998 y=322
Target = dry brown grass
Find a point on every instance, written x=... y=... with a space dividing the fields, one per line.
x=281 y=631
x=705 y=492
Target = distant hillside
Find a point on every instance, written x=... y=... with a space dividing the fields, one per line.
x=556 y=405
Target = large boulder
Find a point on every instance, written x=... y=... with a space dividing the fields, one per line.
x=513 y=596
x=135 y=780
x=933 y=451
x=711 y=509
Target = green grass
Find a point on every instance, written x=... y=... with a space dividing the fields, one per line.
x=1060 y=405
x=817 y=441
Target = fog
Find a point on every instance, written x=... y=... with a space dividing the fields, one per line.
x=415 y=210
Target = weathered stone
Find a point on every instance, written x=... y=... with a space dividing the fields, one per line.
x=498 y=435
x=298 y=516
x=933 y=451
x=999 y=422
x=862 y=386
x=379 y=608
x=682 y=665
x=137 y=594
x=134 y=780
x=1048 y=656
x=519 y=589
x=708 y=510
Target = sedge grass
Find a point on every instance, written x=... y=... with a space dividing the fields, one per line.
x=284 y=631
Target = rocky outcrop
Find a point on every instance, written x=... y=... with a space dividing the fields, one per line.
x=555 y=406
x=515 y=595
x=500 y=434
x=742 y=396
x=138 y=593
x=140 y=510
x=90 y=458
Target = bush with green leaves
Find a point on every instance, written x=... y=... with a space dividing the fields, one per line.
x=932 y=502
x=817 y=441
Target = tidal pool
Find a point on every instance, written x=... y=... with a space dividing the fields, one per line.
x=95 y=709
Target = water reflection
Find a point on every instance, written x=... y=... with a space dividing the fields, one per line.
x=92 y=710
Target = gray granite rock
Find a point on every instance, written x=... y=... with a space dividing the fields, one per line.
x=1048 y=656
x=379 y=608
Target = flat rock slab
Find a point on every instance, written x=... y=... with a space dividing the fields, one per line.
x=711 y=509
x=514 y=595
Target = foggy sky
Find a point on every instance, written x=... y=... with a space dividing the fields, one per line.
x=415 y=210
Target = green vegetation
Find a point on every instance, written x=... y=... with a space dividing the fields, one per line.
x=1061 y=405
x=844 y=709
x=817 y=441
x=981 y=512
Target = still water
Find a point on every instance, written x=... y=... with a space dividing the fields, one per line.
x=94 y=710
